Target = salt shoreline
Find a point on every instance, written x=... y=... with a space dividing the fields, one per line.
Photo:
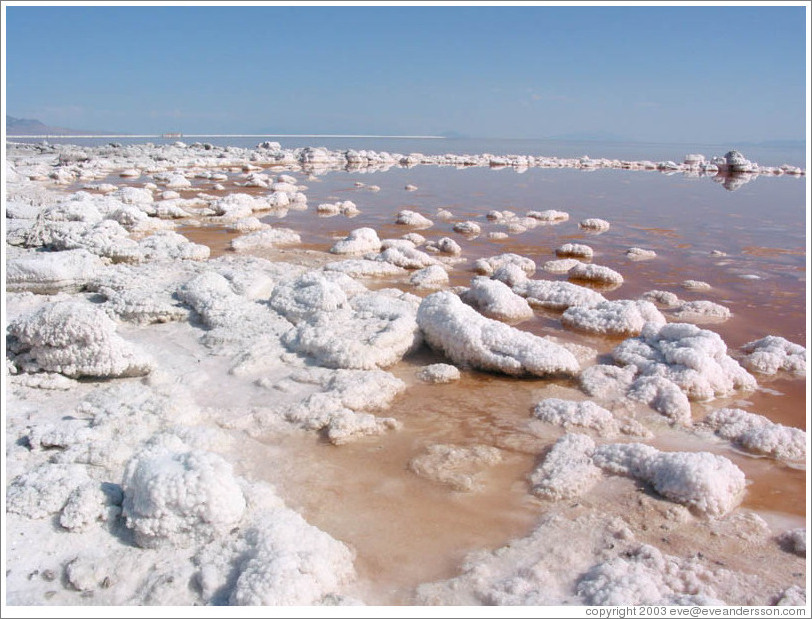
x=123 y=457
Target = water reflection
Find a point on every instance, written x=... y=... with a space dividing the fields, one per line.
x=734 y=180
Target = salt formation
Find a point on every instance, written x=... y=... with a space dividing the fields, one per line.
x=364 y=268
x=454 y=465
x=496 y=300
x=487 y=266
x=595 y=273
x=45 y=489
x=270 y=238
x=706 y=482
x=758 y=434
x=664 y=396
x=693 y=284
x=795 y=540
x=568 y=414
x=550 y=216
x=467 y=228
x=74 y=339
x=694 y=359
x=661 y=297
x=406 y=257
x=433 y=276
x=613 y=317
x=345 y=207
x=472 y=340
x=414 y=219
x=638 y=253
x=438 y=373
x=594 y=224
x=772 y=354
x=557 y=295
x=574 y=250
x=358 y=241
x=701 y=311
x=52 y=272
x=559 y=266
x=567 y=471
x=445 y=245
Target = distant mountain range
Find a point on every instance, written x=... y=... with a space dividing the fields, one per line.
x=29 y=126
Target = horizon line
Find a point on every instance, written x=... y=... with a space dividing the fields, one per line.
x=234 y=135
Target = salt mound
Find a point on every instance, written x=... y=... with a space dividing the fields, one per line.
x=406 y=257
x=358 y=241
x=445 y=245
x=695 y=359
x=772 y=353
x=468 y=228
x=261 y=239
x=315 y=292
x=75 y=339
x=176 y=496
x=290 y=563
x=567 y=471
x=661 y=297
x=470 y=339
x=550 y=216
x=438 y=373
x=560 y=266
x=574 y=250
x=637 y=253
x=364 y=268
x=487 y=266
x=568 y=414
x=44 y=490
x=663 y=396
x=434 y=276
x=496 y=300
x=557 y=295
x=709 y=483
x=613 y=317
x=52 y=272
x=700 y=311
x=412 y=218
x=454 y=465
x=758 y=434
x=595 y=273
x=594 y=224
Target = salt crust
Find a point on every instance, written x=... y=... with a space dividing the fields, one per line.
x=75 y=339
x=345 y=207
x=549 y=216
x=455 y=465
x=433 y=276
x=694 y=359
x=272 y=237
x=414 y=219
x=757 y=434
x=613 y=317
x=706 y=482
x=364 y=268
x=567 y=470
x=52 y=272
x=44 y=490
x=574 y=250
x=556 y=295
x=487 y=266
x=594 y=224
x=358 y=241
x=496 y=300
x=470 y=339
x=406 y=257
x=595 y=273
x=568 y=414
x=699 y=311
x=439 y=373
x=662 y=297
x=637 y=253
x=445 y=245
x=772 y=354
x=467 y=228
x=559 y=266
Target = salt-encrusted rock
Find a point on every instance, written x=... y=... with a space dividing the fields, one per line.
x=176 y=496
x=434 y=276
x=273 y=237
x=358 y=241
x=557 y=295
x=487 y=266
x=455 y=465
x=44 y=490
x=313 y=293
x=758 y=434
x=594 y=224
x=701 y=311
x=445 y=245
x=373 y=330
x=662 y=297
x=364 y=268
x=289 y=563
x=794 y=540
x=693 y=284
x=439 y=373
x=623 y=317
x=663 y=396
x=76 y=339
x=646 y=576
x=406 y=257
x=550 y=216
x=693 y=358
x=773 y=353
x=412 y=218
x=574 y=250
x=52 y=272
x=470 y=339
x=467 y=228
x=706 y=482
x=638 y=253
x=569 y=414
x=595 y=273
x=496 y=300
x=567 y=471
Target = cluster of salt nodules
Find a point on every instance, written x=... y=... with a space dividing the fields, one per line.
x=757 y=434
x=586 y=415
x=413 y=219
x=772 y=354
x=706 y=482
x=472 y=340
x=344 y=207
x=454 y=465
x=496 y=300
x=358 y=241
x=624 y=317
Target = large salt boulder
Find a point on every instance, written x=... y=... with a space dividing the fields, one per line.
x=470 y=339
x=176 y=496
x=596 y=274
x=706 y=482
x=358 y=241
x=76 y=339
x=496 y=300
x=694 y=359
x=557 y=295
x=772 y=353
x=758 y=434
x=622 y=317
x=414 y=219
x=52 y=272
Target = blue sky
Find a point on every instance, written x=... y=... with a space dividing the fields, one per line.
x=704 y=74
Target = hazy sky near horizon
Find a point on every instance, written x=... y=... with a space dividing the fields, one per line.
x=703 y=74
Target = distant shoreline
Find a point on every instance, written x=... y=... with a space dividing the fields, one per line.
x=231 y=135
